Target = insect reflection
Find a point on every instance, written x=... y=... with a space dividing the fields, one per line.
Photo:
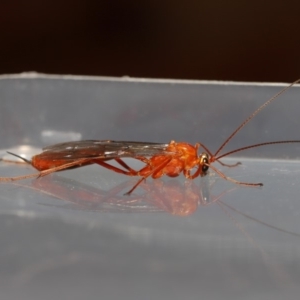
x=172 y=196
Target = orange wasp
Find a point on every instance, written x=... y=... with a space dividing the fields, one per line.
x=160 y=159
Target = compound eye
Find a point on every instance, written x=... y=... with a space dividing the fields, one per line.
x=205 y=167
x=204 y=162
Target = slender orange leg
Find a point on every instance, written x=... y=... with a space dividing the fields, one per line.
x=151 y=172
x=49 y=171
x=233 y=180
x=130 y=171
x=188 y=175
x=123 y=164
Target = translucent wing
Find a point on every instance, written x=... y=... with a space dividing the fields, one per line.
x=106 y=149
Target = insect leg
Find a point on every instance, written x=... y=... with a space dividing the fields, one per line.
x=124 y=165
x=75 y=163
x=151 y=172
x=129 y=172
x=233 y=180
x=187 y=173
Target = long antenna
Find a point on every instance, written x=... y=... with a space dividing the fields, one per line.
x=254 y=146
x=254 y=114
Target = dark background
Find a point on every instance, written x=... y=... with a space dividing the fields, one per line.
x=223 y=40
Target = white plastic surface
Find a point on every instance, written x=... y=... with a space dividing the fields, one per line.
x=73 y=235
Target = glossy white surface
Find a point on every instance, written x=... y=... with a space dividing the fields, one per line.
x=74 y=236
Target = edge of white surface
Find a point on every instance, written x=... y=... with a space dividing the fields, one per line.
x=35 y=75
